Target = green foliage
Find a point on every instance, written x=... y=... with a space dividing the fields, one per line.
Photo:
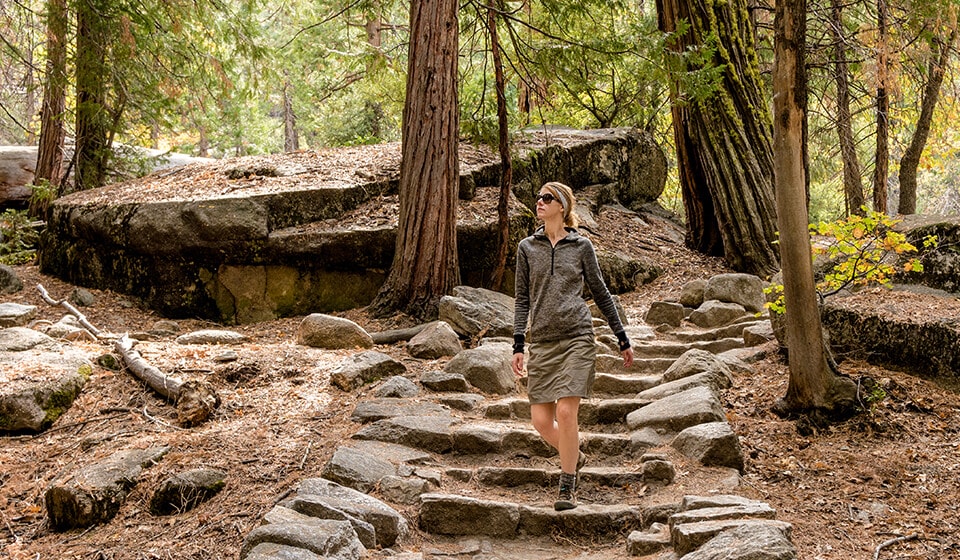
x=42 y=194
x=862 y=251
x=859 y=246
x=18 y=237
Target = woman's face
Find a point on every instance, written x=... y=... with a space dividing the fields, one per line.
x=548 y=206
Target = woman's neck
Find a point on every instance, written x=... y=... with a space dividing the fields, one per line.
x=554 y=230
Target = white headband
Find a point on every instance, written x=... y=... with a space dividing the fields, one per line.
x=562 y=199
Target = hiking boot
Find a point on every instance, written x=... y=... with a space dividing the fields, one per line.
x=566 y=497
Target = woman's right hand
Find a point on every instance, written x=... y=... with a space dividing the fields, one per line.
x=517 y=363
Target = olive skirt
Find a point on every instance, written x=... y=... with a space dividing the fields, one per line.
x=561 y=368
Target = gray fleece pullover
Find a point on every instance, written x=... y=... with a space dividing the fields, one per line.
x=549 y=288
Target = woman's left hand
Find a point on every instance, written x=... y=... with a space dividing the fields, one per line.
x=627 y=357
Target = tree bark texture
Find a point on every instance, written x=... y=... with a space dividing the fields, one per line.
x=425 y=262
x=93 y=118
x=852 y=178
x=724 y=146
x=931 y=93
x=881 y=167
x=291 y=142
x=50 y=152
x=810 y=376
x=506 y=175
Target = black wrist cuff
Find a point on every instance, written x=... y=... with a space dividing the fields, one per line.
x=622 y=340
x=518 y=340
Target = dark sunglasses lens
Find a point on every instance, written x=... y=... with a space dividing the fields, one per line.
x=547 y=198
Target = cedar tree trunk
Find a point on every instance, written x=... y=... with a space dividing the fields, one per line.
x=724 y=149
x=93 y=119
x=425 y=262
x=50 y=151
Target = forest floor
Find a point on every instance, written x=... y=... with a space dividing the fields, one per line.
x=884 y=484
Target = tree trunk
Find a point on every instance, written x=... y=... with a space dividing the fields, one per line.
x=931 y=93
x=425 y=262
x=506 y=175
x=291 y=142
x=93 y=118
x=809 y=376
x=852 y=178
x=812 y=384
x=881 y=166
x=724 y=148
x=50 y=152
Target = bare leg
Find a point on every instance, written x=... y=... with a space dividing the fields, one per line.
x=544 y=420
x=569 y=433
x=557 y=425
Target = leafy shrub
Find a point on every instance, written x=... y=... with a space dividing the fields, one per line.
x=18 y=237
x=861 y=250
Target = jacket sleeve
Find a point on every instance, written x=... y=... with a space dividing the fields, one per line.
x=601 y=295
x=521 y=309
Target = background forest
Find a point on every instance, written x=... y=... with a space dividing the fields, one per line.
x=221 y=79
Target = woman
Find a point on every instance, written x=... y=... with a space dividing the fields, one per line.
x=552 y=266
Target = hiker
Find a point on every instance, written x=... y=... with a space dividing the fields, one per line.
x=552 y=266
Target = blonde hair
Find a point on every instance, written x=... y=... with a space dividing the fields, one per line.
x=564 y=196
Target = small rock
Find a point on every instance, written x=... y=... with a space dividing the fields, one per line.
x=397 y=386
x=212 y=337
x=486 y=367
x=326 y=331
x=405 y=491
x=16 y=315
x=185 y=491
x=714 y=313
x=109 y=361
x=436 y=340
x=355 y=469
x=472 y=310
x=659 y=471
x=364 y=367
x=226 y=356
x=691 y=295
x=664 y=313
x=743 y=289
x=10 y=283
x=445 y=381
x=82 y=297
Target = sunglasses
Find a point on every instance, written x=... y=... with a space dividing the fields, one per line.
x=547 y=198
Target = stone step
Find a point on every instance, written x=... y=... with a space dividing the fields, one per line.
x=642 y=364
x=734 y=330
x=510 y=477
x=483 y=438
x=625 y=384
x=661 y=349
x=595 y=411
x=448 y=514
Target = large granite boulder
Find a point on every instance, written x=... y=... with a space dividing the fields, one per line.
x=39 y=379
x=257 y=238
x=471 y=311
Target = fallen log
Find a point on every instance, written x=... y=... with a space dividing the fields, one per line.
x=73 y=310
x=195 y=400
x=396 y=335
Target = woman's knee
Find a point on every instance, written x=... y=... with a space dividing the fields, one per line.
x=567 y=410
